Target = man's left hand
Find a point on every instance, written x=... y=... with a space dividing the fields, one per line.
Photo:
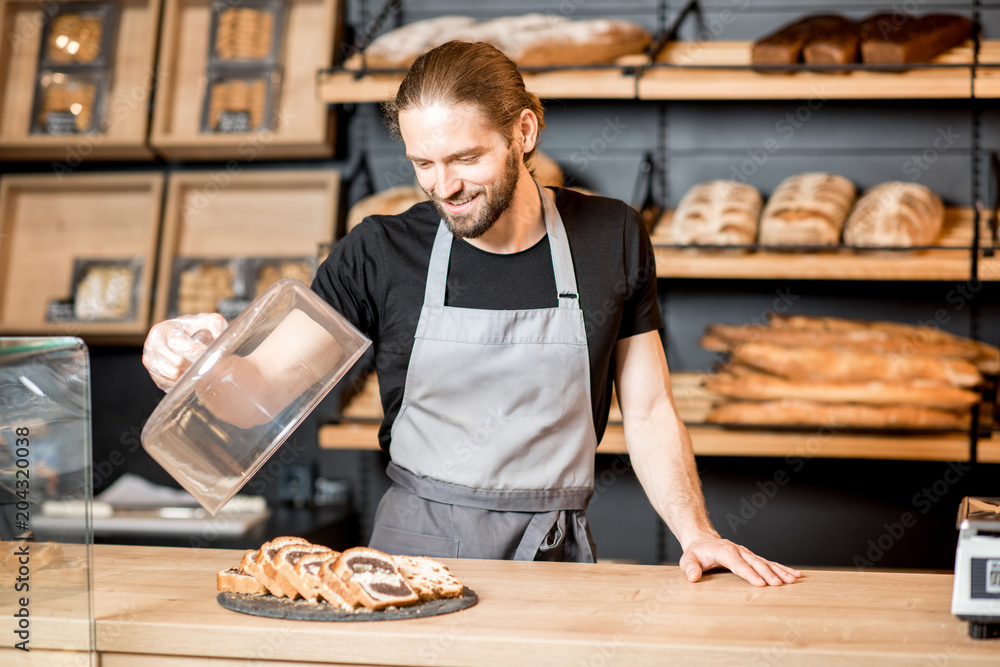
x=712 y=552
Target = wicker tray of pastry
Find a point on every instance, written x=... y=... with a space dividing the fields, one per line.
x=79 y=34
x=291 y=578
x=69 y=102
x=240 y=101
x=75 y=62
x=227 y=285
x=106 y=289
x=249 y=32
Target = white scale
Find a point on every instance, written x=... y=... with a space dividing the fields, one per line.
x=976 y=595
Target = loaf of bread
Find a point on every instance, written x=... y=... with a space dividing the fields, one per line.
x=898 y=38
x=895 y=214
x=540 y=40
x=817 y=364
x=531 y=40
x=429 y=579
x=786 y=45
x=400 y=47
x=807 y=209
x=387 y=202
x=717 y=213
x=545 y=170
x=835 y=43
x=806 y=413
x=761 y=387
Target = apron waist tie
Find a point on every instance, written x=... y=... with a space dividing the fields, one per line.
x=528 y=500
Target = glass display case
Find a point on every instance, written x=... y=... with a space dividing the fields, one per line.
x=46 y=496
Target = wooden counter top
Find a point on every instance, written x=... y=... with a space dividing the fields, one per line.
x=161 y=601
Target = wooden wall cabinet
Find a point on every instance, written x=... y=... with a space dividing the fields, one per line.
x=303 y=124
x=222 y=215
x=48 y=222
x=125 y=120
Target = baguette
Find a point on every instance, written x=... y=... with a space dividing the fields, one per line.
x=826 y=365
x=760 y=387
x=531 y=40
x=868 y=340
x=371 y=578
x=805 y=413
x=986 y=358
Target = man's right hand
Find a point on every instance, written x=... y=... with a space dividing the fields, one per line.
x=171 y=346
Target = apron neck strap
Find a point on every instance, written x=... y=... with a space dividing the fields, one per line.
x=562 y=259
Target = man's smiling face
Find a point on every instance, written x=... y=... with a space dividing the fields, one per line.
x=463 y=164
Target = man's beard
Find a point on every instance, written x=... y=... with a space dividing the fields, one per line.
x=471 y=225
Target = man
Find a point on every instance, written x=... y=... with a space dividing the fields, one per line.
x=500 y=314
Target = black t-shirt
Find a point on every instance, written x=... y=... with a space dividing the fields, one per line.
x=376 y=275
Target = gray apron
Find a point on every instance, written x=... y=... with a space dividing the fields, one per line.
x=494 y=444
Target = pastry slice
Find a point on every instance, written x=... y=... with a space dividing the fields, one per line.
x=310 y=584
x=281 y=569
x=370 y=577
x=430 y=579
x=235 y=581
x=255 y=565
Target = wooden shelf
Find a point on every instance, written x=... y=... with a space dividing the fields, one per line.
x=716 y=441
x=693 y=403
x=704 y=77
x=340 y=86
x=302 y=124
x=987 y=82
x=951 y=262
x=126 y=117
x=988 y=451
x=717 y=71
x=49 y=221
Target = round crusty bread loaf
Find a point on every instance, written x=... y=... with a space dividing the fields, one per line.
x=545 y=170
x=387 y=202
x=717 y=213
x=895 y=214
x=807 y=209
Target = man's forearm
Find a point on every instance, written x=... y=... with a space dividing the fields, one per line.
x=663 y=460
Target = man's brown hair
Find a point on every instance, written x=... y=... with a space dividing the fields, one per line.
x=474 y=73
